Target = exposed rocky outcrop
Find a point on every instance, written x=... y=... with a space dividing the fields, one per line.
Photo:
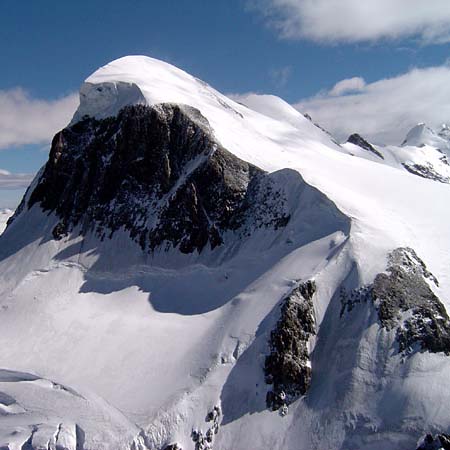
x=426 y=171
x=204 y=440
x=406 y=304
x=358 y=140
x=439 y=442
x=444 y=159
x=158 y=173
x=287 y=367
x=173 y=447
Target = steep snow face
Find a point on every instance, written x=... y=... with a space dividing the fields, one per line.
x=178 y=342
x=107 y=99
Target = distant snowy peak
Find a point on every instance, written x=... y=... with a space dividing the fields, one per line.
x=422 y=135
x=419 y=135
x=419 y=155
x=433 y=148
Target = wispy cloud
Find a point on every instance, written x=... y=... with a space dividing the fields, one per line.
x=281 y=75
x=10 y=180
x=384 y=110
x=27 y=120
x=334 y=21
x=354 y=84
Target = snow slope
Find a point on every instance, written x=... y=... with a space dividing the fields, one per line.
x=156 y=342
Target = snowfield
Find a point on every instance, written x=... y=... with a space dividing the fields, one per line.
x=104 y=346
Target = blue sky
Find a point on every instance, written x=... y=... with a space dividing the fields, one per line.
x=283 y=47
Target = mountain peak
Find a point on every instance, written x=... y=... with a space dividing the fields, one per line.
x=135 y=80
x=358 y=140
x=201 y=265
x=420 y=135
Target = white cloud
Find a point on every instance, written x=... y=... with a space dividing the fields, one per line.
x=354 y=84
x=27 y=120
x=358 y=20
x=10 y=180
x=385 y=110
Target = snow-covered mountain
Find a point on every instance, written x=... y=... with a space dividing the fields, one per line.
x=423 y=152
x=190 y=272
x=422 y=135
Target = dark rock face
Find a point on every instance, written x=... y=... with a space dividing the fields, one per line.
x=426 y=171
x=157 y=172
x=358 y=140
x=405 y=303
x=287 y=367
x=441 y=441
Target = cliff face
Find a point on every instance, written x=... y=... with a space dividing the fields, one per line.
x=157 y=172
x=288 y=367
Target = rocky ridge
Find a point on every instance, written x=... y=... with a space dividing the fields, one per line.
x=406 y=304
x=426 y=171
